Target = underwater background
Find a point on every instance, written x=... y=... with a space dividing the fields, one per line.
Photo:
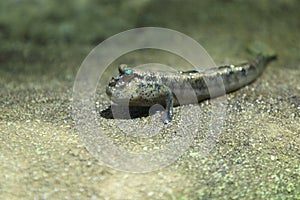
x=42 y=45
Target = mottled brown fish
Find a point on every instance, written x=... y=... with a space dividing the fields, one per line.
x=137 y=87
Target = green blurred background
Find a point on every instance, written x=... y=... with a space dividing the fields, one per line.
x=55 y=32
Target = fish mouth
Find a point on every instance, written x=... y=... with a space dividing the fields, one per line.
x=112 y=83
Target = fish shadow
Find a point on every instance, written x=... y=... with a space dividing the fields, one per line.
x=125 y=112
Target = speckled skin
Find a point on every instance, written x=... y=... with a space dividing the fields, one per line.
x=136 y=87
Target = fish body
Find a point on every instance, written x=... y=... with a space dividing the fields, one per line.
x=137 y=87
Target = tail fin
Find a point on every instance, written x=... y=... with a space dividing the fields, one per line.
x=265 y=59
x=264 y=54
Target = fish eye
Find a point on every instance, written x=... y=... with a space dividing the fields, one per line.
x=128 y=71
x=122 y=68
